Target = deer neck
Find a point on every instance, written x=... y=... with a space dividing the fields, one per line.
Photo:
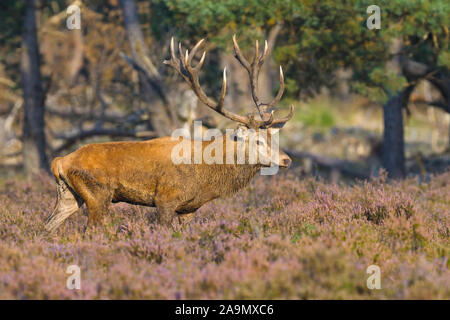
x=236 y=176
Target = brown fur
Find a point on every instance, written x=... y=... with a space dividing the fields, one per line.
x=140 y=173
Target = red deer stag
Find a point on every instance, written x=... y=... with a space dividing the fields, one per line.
x=143 y=172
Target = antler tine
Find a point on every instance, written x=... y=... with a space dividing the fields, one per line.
x=263 y=56
x=181 y=57
x=172 y=54
x=255 y=58
x=271 y=122
x=280 y=91
x=172 y=49
x=186 y=58
x=239 y=56
x=279 y=123
x=259 y=59
x=194 y=50
x=200 y=64
x=174 y=60
x=224 y=90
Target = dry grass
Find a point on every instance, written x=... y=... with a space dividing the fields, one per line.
x=279 y=238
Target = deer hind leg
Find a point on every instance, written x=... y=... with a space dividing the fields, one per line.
x=97 y=202
x=97 y=208
x=96 y=195
x=67 y=203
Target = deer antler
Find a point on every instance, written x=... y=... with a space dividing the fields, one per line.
x=253 y=69
x=190 y=74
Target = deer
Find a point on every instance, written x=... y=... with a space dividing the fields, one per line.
x=144 y=173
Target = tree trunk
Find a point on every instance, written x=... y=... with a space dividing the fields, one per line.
x=393 y=139
x=34 y=156
x=150 y=84
x=269 y=75
x=76 y=63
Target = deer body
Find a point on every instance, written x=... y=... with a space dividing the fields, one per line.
x=141 y=173
x=144 y=173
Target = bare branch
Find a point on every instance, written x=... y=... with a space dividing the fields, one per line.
x=78 y=113
x=154 y=82
x=72 y=138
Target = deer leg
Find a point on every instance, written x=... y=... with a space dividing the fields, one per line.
x=166 y=213
x=66 y=204
x=97 y=208
x=96 y=195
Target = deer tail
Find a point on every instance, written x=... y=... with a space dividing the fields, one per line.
x=56 y=168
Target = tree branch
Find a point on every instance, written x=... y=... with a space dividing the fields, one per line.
x=155 y=83
x=111 y=117
x=73 y=138
x=437 y=104
x=346 y=167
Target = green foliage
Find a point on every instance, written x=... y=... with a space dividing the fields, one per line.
x=380 y=84
x=444 y=59
x=11 y=20
x=317 y=115
x=318 y=37
x=194 y=18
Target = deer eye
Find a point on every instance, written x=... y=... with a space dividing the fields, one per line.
x=259 y=142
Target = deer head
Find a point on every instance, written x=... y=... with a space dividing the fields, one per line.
x=258 y=127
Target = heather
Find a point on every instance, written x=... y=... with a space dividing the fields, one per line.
x=281 y=238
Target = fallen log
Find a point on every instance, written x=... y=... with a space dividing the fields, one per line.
x=346 y=167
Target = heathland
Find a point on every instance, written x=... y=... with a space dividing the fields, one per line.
x=282 y=237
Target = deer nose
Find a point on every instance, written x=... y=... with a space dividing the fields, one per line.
x=286 y=162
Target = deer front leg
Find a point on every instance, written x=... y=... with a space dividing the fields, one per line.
x=166 y=213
